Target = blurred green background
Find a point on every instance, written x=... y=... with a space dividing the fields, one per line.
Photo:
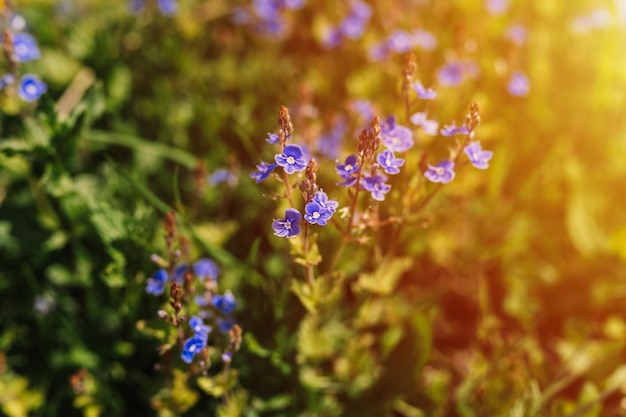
x=504 y=298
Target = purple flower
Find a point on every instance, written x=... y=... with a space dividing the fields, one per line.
x=167 y=7
x=376 y=186
x=223 y=175
x=496 y=7
x=289 y=226
x=25 y=47
x=349 y=168
x=200 y=329
x=477 y=156
x=292 y=159
x=224 y=303
x=378 y=52
x=329 y=144
x=451 y=130
x=322 y=199
x=451 y=74
x=204 y=268
x=225 y=324
x=179 y=273
x=272 y=138
x=332 y=38
x=6 y=79
x=156 y=284
x=430 y=127
x=443 y=172
x=264 y=171
x=400 y=41
x=364 y=108
x=423 y=92
x=31 y=88
x=397 y=138
x=518 y=84
x=292 y=4
x=315 y=214
x=389 y=163
x=352 y=27
x=192 y=346
x=424 y=39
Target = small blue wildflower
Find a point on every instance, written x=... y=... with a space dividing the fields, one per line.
x=364 y=108
x=376 y=186
x=443 y=172
x=227 y=357
x=395 y=137
x=349 y=168
x=518 y=84
x=389 y=163
x=315 y=214
x=17 y=23
x=31 y=88
x=272 y=138
x=25 y=47
x=201 y=300
x=264 y=171
x=225 y=324
x=430 y=127
x=135 y=6
x=224 y=303
x=378 y=52
x=424 y=39
x=451 y=74
x=423 y=92
x=322 y=199
x=332 y=38
x=292 y=159
x=192 y=346
x=400 y=41
x=451 y=130
x=167 y=7
x=330 y=143
x=496 y=7
x=289 y=226
x=200 y=329
x=179 y=273
x=6 y=79
x=477 y=156
x=204 y=268
x=156 y=284
x=352 y=27
x=223 y=175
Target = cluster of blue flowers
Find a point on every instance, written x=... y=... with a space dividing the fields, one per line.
x=266 y=15
x=166 y=7
x=23 y=48
x=401 y=41
x=352 y=27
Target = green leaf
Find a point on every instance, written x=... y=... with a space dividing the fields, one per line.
x=384 y=279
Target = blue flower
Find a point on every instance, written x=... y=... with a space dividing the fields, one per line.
x=192 y=346
x=329 y=144
x=25 y=47
x=6 y=79
x=400 y=41
x=225 y=324
x=264 y=171
x=395 y=137
x=430 y=127
x=200 y=329
x=289 y=226
x=378 y=52
x=206 y=268
x=443 y=172
x=364 y=108
x=224 y=303
x=167 y=7
x=376 y=186
x=349 y=168
x=477 y=156
x=451 y=74
x=423 y=92
x=31 y=88
x=322 y=199
x=316 y=214
x=223 y=175
x=389 y=163
x=518 y=84
x=179 y=273
x=451 y=130
x=201 y=300
x=292 y=159
x=424 y=39
x=156 y=284
x=272 y=138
